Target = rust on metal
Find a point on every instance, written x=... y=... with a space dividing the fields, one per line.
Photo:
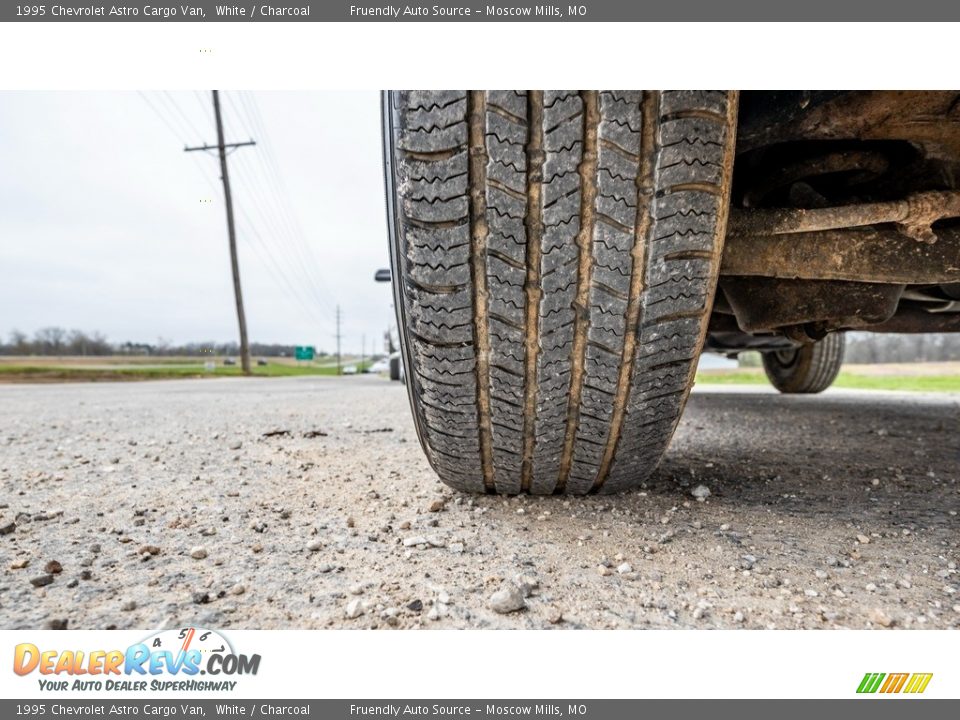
x=927 y=118
x=913 y=216
x=869 y=255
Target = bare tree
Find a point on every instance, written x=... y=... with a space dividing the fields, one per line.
x=50 y=340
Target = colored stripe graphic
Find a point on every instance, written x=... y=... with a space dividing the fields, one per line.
x=894 y=683
x=869 y=682
x=918 y=682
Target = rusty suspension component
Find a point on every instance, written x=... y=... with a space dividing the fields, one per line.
x=869 y=255
x=913 y=216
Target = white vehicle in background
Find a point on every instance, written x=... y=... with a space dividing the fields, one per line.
x=379 y=367
x=349 y=370
x=392 y=346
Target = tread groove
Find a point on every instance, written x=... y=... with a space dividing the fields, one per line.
x=476 y=112
x=534 y=223
x=589 y=191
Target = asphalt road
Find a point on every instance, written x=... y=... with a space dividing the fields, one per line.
x=157 y=504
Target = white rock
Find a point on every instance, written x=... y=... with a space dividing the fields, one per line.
x=198 y=553
x=416 y=540
x=526 y=584
x=507 y=599
x=624 y=568
x=701 y=492
x=354 y=609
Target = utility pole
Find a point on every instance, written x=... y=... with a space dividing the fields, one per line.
x=363 y=349
x=338 y=339
x=222 y=147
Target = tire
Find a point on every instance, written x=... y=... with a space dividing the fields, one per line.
x=808 y=369
x=555 y=257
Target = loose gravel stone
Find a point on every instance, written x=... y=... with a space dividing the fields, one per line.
x=198 y=553
x=879 y=617
x=7 y=528
x=701 y=492
x=354 y=609
x=41 y=580
x=255 y=511
x=507 y=599
x=53 y=568
x=525 y=583
x=436 y=506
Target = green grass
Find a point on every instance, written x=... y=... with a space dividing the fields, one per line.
x=918 y=383
x=76 y=373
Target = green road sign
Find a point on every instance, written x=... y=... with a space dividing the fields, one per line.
x=304 y=352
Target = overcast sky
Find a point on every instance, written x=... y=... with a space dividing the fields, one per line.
x=104 y=224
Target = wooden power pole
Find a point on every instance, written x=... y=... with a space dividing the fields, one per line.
x=338 y=339
x=222 y=147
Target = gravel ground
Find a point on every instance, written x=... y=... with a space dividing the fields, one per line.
x=307 y=503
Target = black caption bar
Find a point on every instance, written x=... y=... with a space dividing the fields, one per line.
x=577 y=11
x=854 y=709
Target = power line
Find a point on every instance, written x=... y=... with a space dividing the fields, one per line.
x=176 y=122
x=285 y=217
x=186 y=118
x=280 y=191
x=269 y=219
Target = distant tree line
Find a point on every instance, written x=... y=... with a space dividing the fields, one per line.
x=58 y=341
x=872 y=348
x=861 y=347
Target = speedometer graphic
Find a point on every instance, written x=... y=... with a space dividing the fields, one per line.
x=182 y=640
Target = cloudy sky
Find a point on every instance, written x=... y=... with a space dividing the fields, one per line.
x=107 y=225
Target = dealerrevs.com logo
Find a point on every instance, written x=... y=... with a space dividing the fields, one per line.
x=169 y=660
x=892 y=683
